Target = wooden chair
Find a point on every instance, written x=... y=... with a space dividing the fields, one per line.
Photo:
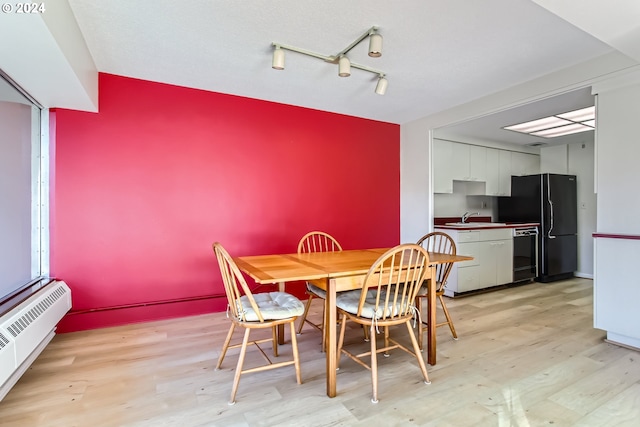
x=437 y=242
x=260 y=311
x=386 y=299
x=316 y=241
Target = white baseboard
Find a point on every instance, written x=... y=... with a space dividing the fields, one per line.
x=583 y=275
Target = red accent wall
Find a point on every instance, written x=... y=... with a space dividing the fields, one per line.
x=142 y=189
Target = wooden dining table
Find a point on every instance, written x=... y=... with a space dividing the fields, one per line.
x=335 y=272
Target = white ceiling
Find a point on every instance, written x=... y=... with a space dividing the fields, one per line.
x=437 y=53
x=441 y=57
x=489 y=128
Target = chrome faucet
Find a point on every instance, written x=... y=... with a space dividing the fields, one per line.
x=466 y=216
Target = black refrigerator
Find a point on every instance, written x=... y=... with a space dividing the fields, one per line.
x=551 y=200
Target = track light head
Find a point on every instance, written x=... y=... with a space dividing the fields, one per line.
x=344 y=67
x=277 y=62
x=375 y=44
x=381 y=87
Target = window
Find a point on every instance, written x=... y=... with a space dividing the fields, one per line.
x=23 y=228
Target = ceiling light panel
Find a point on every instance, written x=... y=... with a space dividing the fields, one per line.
x=560 y=124
x=588 y=113
x=535 y=125
x=562 y=130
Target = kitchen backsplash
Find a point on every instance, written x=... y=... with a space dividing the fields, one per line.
x=457 y=203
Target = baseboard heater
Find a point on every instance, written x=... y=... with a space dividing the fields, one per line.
x=27 y=328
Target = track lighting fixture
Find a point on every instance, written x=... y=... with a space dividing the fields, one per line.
x=278 y=59
x=375 y=44
x=381 y=86
x=344 y=67
x=344 y=64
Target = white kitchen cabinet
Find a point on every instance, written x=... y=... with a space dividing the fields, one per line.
x=442 y=166
x=524 y=164
x=460 y=161
x=498 y=172
x=616 y=292
x=503 y=257
x=466 y=162
x=469 y=162
x=492 y=265
x=477 y=163
x=504 y=178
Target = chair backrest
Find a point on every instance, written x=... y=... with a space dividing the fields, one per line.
x=318 y=241
x=397 y=277
x=438 y=241
x=233 y=283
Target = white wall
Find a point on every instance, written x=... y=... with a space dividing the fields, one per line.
x=581 y=164
x=415 y=176
x=47 y=56
x=554 y=159
x=617 y=163
x=617 y=284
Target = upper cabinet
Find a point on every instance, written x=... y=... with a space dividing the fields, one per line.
x=466 y=162
x=498 y=172
x=469 y=162
x=524 y=164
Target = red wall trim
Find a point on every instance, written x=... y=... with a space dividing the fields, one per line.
x=144 y=187
x=616 y=236
x=80 y=321
x=144 y=304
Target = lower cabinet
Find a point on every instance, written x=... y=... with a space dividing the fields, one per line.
x=492 y=265
x=615 y=289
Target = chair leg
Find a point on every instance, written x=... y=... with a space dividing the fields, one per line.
x=236 y=378
x=322 y=331
x=374 y=365
x=303 y=318
x=274 y=339
x=446 y=314
x=420 y=325
x=294 y=348
x=386 y=341
x=418 y=354
x=225 y=346
x=365 y=332
x=343 y=324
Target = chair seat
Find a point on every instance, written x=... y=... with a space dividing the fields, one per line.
x=316 y=291
x=272 y=306
x=349 y=301
x=424 y=289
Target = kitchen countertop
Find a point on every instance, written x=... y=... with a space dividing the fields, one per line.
x=486 y=225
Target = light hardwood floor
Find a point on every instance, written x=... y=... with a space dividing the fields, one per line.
x=527 y=356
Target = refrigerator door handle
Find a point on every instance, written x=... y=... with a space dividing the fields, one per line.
x=550 y=211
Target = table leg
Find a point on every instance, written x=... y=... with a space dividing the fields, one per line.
x=431 y=319
x=281 y=327
x=331 y=333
